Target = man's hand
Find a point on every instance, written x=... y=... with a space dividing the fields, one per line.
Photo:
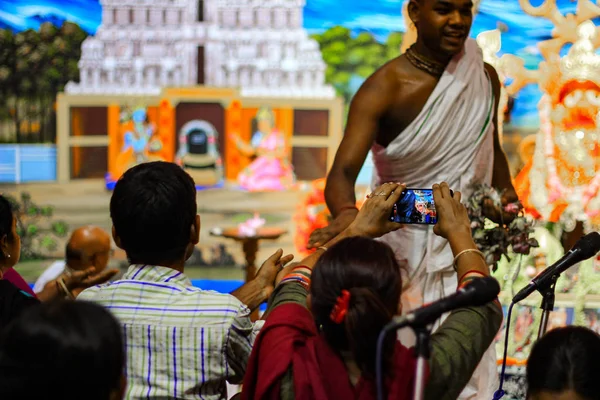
x=80 y=280
x=452 y=214
x=501 y=215
x=373 y=219
x=321 y=236
x=270 y=269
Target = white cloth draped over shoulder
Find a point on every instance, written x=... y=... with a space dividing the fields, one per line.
x=450 y=140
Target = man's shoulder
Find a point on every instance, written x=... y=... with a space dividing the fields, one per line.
x=211 y=297
x=177 y=295
x=382 y=85
x=89 y=294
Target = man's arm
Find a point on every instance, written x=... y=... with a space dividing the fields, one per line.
x=501 y=179
x=368 y=105
x=256 y=291
x=252 y=294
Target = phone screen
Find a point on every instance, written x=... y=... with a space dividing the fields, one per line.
x=415 y=206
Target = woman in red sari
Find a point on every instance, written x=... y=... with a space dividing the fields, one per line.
x=321 y=345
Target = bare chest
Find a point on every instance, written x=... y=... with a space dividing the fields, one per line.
x=407 y=105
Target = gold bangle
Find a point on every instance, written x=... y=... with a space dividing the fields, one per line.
x=476 y=251
x=65 y=290
x=322 y=248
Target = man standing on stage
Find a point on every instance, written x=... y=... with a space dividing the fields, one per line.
x=428 y=116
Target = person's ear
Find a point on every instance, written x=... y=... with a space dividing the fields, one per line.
x=413 y=11
x=116 y=238
x=195 y=231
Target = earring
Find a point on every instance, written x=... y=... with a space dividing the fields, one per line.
x=8 y=256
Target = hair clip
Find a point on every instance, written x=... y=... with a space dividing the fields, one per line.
x=340 y=309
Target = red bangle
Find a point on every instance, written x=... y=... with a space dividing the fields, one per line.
x=472 y=271
x=347 y=208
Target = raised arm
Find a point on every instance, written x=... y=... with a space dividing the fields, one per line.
x=366 y=109
x=459 y=344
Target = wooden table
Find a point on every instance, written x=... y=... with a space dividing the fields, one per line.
x=250 y=247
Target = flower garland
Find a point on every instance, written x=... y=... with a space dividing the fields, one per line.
x=494 y=239
x=557 y=188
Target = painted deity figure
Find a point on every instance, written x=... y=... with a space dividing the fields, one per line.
x=270 y=169
x=139 y=136
x=140 y=141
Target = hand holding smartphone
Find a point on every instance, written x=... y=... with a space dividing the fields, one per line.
x=415 y=206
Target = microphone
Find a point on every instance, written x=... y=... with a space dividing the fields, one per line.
x=477 y=293
x=586 y=247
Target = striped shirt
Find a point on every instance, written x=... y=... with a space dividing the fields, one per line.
x=181 y=342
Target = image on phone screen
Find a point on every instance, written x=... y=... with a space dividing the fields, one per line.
x=415 y=206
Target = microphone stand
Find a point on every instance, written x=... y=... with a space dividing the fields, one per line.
x=423 y=352
x=547 y=306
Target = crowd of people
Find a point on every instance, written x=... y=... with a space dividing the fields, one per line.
x=429 y=117
x=151 y=334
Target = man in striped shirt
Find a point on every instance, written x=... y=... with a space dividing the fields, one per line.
x=181 y=342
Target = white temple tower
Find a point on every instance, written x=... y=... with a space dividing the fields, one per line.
x=259 y=46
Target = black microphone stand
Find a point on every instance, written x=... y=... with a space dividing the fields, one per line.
x=423 y=352
x=547 y=306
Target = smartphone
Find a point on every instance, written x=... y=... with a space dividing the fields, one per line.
x=415 y=206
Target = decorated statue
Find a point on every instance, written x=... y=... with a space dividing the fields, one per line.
x=559 y=182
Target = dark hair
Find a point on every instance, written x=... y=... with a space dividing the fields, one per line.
x=565 y=359
x=6 y=220
x=64 y=349
x=369 y=271
x=407 y=208
x=152 y=208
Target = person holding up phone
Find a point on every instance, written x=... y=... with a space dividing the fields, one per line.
x=427 y=116
x=326 y=313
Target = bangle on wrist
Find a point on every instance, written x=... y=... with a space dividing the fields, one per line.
x=352 y=207
x=476 y=251
x=468 y=275
x=63 y=288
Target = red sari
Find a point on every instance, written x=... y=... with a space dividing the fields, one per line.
x=290 y=338
x=16 y=279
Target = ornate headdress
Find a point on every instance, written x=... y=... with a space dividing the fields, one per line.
x=582 y=63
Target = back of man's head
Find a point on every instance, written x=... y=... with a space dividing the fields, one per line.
x=153 y=209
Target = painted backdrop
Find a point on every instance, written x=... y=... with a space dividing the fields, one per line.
x=354 y=40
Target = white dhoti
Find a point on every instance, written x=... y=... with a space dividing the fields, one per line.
x=450 y=140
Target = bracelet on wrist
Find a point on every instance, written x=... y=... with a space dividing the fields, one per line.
x=62 y=288
x=462 y=253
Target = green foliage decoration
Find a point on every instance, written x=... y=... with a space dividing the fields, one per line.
x=351 y=58
x=38 y=232
x=34 y=67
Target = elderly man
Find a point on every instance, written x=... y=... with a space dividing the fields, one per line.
x=88 y=247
